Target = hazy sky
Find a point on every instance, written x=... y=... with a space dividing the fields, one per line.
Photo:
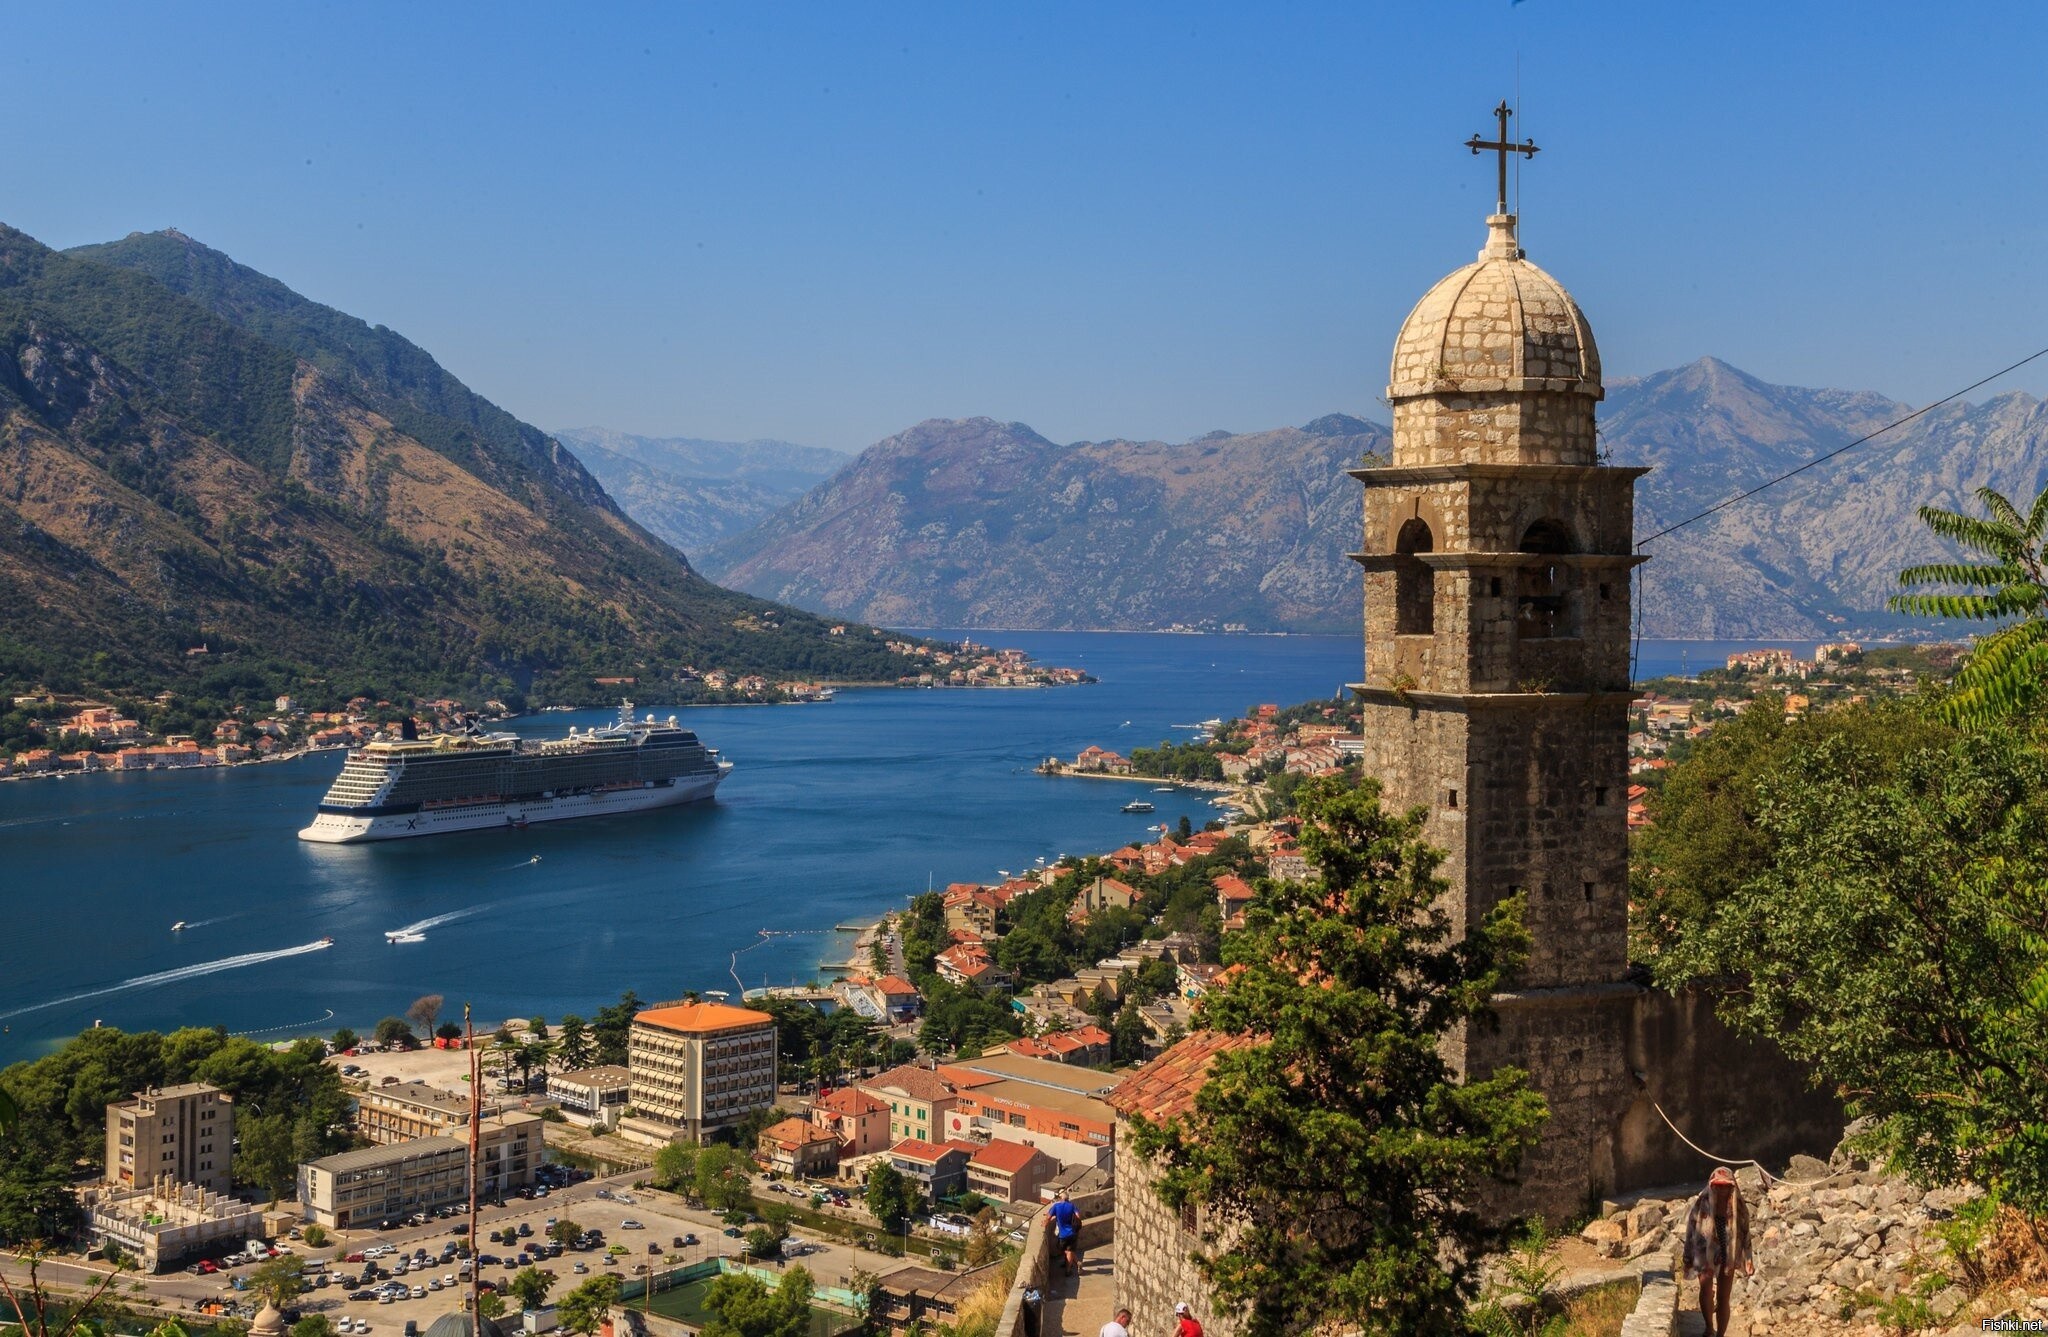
x=824 y=223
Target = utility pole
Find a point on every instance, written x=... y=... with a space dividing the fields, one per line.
x=476 y=1108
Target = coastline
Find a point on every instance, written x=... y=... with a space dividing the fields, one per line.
x=1211 y=786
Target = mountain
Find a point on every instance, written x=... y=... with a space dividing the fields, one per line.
x=981 y=524
x=191 y=454
x=977 y=523
x=693 y=493
x=1816 y=555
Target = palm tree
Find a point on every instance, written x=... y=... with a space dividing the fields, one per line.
x=2008 y=669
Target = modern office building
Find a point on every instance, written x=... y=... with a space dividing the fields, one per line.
x=357 y=1190
x=595 y=1093
x=182 y=1134
x=697 y=1067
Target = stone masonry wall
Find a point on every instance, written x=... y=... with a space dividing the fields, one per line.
x=1154 y=1252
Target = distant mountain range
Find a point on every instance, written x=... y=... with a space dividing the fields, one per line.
x=977 y=523
x=191 y=454
x=984 y=524
x=694 y=493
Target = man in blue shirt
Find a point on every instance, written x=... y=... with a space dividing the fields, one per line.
x=1066 y=1224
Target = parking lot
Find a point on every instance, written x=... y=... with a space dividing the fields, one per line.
x=660 y=1219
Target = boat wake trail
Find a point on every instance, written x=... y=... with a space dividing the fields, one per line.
x=163 y=977
x=436 y=921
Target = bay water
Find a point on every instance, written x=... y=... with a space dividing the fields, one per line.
x=834 y=814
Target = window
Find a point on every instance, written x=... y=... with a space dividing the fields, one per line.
x=1599 y=796
x=1414 y=582
x=1540 y=586
x=1451 y=798
x=1589 y=893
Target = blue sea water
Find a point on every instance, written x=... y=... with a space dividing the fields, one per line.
x=833 y=814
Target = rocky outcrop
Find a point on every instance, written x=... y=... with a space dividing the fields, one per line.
x=1841 y=1250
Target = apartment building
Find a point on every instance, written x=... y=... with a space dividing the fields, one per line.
x=918 y=1100
x=409 y=1110
x=180 y=1134
x=698 y=1067
x=1055 y=1107
x=358 y=1190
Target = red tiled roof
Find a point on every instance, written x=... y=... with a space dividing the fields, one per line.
x=847 y=1100
x=1165 y=1088
x=913 y=1081
x=895 y=984
x=1003 y=1157
x=697 y=1017
x=796 y=1133
x=1231 y=887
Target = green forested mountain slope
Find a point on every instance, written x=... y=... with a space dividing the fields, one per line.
x=191 y=454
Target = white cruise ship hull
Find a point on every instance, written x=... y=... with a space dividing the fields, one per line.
x=341 y=829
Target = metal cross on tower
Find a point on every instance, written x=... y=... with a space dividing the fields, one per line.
x=1502 y=146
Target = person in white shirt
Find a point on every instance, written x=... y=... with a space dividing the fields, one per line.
x=1120 y=1326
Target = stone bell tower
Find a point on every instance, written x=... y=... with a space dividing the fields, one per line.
x=1496 y=695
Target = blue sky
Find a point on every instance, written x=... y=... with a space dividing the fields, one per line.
x=826 y=222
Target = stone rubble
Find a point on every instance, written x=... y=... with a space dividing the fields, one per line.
x=1830 y=1236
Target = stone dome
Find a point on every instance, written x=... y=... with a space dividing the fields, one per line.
x=1498 y=324
x=269 y=1322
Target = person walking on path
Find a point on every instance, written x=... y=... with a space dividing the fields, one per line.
x=1066 y=1224
x=1120 y=1326
x=1717 y=1246
x=1184 y=1324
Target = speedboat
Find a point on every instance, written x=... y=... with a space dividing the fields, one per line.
x=178 y=927
x=327 y=942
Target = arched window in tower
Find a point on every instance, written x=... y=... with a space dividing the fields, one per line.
x=1414 y=582
x=1540 y=586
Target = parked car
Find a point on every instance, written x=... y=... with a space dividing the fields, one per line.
x=653 y=1248
x=604 y=1193
x=525 y=1230
x=627 y=1198
x=630 y=1224
x=459 y=1228
x=580 y=1266
x=362 y=1295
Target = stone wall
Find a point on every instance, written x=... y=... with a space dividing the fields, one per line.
x=1155 y=1250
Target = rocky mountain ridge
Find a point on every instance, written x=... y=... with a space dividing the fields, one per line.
x=986 y=524
x=975 y=523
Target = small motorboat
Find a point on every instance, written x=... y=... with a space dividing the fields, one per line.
x=395 y=938
x=178 y=927
x=327 y=942
x=1163 y=789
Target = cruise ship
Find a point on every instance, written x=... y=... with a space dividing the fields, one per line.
x=391 y=790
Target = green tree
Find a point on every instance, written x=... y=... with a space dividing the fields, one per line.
x=1332 y=1131
x=1897 y=941
x=37 y=1201
x=395 y=1033
x=266 y=1155
x=313 y=1325
x=344 y=1040
x=583 y=1309
x=985 y=1238
x=612 y=1026
x=530 y=1286
x=743 y=1306
x=2005 y=672
x=724 y=1179
x=490 y=1304
x=1127 y=1037
x=278 y=1281
x=891 y=1198
x=315 y=1236
x=675 y=1167
x=572 y=1043
x=564 y=1232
